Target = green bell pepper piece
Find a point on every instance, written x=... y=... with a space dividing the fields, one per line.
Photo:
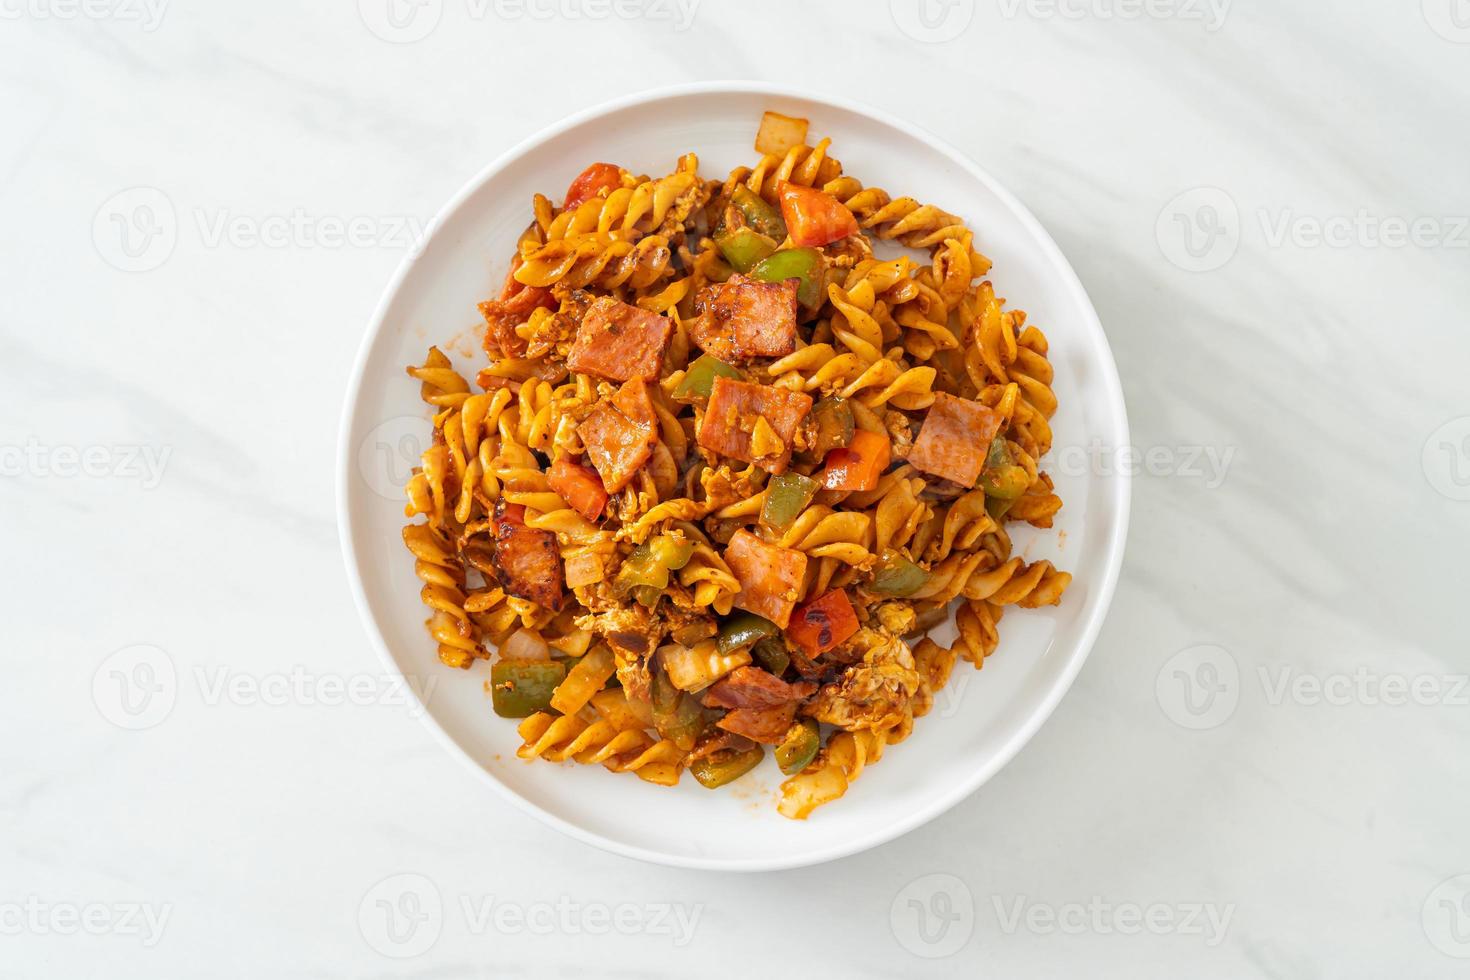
x=789 y=494
x=897 y=576
x=998 y=508
x=650 y=563
x=725 y=767
x=699 y=379
x=743 y=630
x=520 y=688
x=1002 y=479
x=804 y=264
x=832 y=427
x=771 y=654
x=743 y=248
x=799 y=747
x=764 y=218
x=677 y=716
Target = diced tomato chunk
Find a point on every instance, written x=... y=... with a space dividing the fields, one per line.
x=858 y=465
x=587 y=185
x=770 y=577
x=746 y=318
x=823 y=623
x=620 y=434
x=955 y=438
x=737 y=407
x=814 y=217
x=527 y=562
x=767 y=725
x=619 y=341
x=579 y=486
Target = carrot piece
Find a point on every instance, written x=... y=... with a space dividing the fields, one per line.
x=579 y=486
x=858 y=465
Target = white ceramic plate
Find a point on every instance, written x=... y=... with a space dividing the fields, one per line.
x=978 y=724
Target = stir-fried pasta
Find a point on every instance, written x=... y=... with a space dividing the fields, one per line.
x=724 y=466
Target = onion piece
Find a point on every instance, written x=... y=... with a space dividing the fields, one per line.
x=525 y=644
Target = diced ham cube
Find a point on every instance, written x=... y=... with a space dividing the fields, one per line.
x=751 y=687
x=527 y=561
x=767 y=725
x=955 y=439
x=735 y=408
x=712 y=337
x=770 y=577
x=620 y=434
x=747 y=318
x=513 y=307
x=620 y=342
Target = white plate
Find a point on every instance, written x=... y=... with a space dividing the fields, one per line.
x=984 y=718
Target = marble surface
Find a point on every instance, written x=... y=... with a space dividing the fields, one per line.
x=1261 y=770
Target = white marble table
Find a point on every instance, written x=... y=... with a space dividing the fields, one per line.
x=1261 y=771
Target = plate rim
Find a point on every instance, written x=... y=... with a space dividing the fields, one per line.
x=1117 y=534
